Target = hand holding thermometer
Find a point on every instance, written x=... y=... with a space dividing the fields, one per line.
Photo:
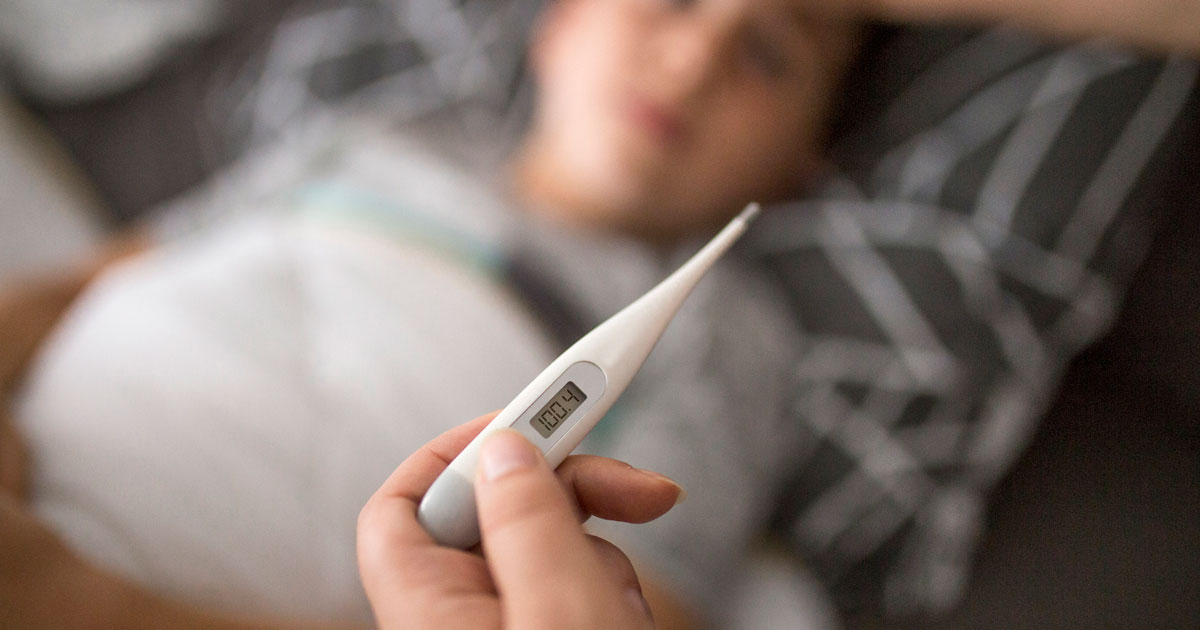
x=569 y=397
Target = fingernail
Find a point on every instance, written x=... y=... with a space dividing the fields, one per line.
x=503 y=452
x=679 y=498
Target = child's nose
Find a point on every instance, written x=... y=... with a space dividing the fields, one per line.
x=691 y=54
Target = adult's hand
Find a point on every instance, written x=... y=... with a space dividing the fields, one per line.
x=538 y=568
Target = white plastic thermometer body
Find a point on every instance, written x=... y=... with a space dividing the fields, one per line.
x=569 y=397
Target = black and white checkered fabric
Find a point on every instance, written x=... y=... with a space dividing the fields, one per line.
x=998 y=193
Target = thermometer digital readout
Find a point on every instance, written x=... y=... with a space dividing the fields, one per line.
x=559 y=407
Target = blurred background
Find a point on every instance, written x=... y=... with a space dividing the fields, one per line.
x=126 y=105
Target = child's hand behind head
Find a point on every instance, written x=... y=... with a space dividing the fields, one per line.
x=664 y=117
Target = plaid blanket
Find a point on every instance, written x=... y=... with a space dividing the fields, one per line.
x=997 y=194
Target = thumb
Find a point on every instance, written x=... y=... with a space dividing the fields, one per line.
x=543 y=564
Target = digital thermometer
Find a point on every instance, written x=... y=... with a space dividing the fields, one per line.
x=569 y=397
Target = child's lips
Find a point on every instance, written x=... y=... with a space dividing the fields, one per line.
x=664 y=124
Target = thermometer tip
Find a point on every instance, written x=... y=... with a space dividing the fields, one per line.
x=750 y=212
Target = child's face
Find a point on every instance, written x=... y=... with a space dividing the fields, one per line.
x=663 y=117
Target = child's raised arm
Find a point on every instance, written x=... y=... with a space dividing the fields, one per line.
x=1163 y=25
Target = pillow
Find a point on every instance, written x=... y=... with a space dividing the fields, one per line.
x=995 y=194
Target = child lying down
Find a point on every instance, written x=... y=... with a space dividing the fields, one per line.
x=212 y=414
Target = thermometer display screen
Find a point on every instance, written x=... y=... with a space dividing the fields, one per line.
x=560 y=407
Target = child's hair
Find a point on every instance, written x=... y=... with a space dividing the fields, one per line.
x=858 y=92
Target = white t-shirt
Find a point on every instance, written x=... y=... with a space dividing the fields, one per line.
x=209 y=421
